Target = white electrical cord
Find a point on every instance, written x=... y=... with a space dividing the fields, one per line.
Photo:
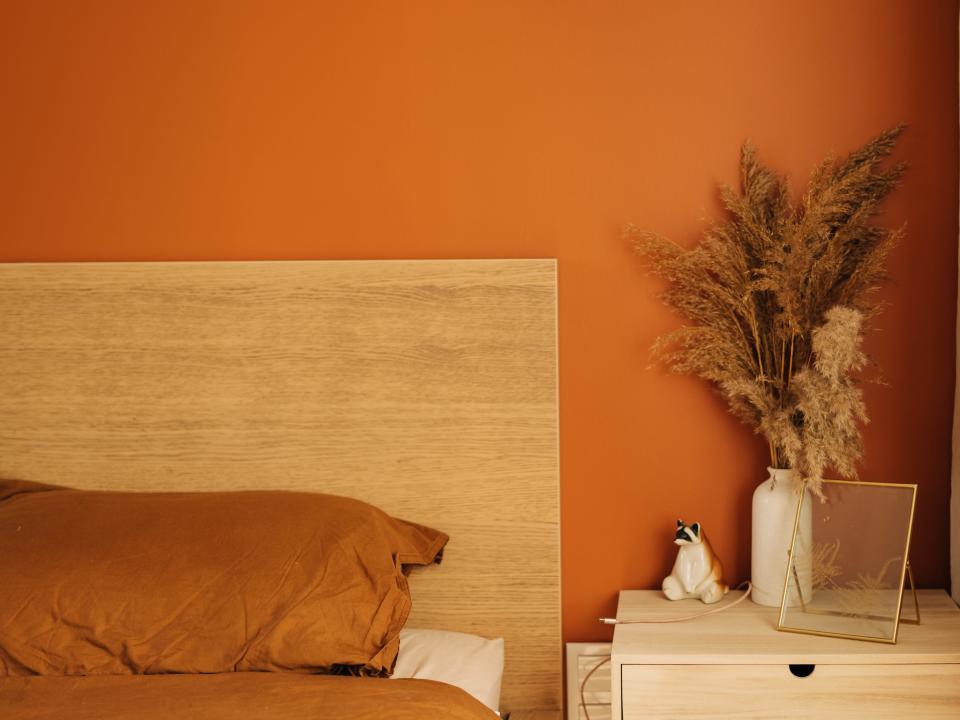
x=746 y=594
x=613 y=621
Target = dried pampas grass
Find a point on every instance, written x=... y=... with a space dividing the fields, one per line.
x=777 y=298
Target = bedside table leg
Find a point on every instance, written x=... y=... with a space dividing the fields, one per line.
x=616 y=711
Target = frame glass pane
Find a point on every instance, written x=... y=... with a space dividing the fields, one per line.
x=847 y=565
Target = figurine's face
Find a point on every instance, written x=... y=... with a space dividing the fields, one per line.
x=687 y=534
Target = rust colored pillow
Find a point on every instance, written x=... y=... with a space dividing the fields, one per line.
x=95 y=582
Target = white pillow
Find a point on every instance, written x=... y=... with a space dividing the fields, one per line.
x=472 y=663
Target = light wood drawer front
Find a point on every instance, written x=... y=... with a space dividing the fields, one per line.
x=597 y=689
x=590 y=662
x=692 y=692
x=597 y=712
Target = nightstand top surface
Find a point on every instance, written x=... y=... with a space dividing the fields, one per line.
x=747 y=634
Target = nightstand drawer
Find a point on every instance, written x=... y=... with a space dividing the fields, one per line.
x=925 y=691
x=588 y=662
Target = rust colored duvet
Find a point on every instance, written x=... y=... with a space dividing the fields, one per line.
x=233 y=696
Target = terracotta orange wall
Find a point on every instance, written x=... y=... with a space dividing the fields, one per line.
x=249 y=130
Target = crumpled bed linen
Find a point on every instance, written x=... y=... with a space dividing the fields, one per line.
x=234 y=696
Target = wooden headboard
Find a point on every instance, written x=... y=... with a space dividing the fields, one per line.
x=428 y=388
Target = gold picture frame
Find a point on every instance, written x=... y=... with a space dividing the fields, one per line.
x=849 y=561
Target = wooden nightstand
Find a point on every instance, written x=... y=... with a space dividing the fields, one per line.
x=735 y=664
x=590 y=662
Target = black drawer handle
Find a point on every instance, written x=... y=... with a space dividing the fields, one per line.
x=802 y=670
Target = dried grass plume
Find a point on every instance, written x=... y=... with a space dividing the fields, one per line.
x=777 y=299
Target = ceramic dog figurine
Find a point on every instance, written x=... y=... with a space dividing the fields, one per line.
x=697 y=573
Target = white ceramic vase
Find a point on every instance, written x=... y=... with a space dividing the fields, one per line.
x=774 y=514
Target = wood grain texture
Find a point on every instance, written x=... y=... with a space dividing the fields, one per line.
x=770 y=692
x=428 y=388
x=586 y=661
x=747 y=634
x=597 y=712
x=736 y=664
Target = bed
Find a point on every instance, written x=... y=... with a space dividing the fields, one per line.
x=426 y=388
